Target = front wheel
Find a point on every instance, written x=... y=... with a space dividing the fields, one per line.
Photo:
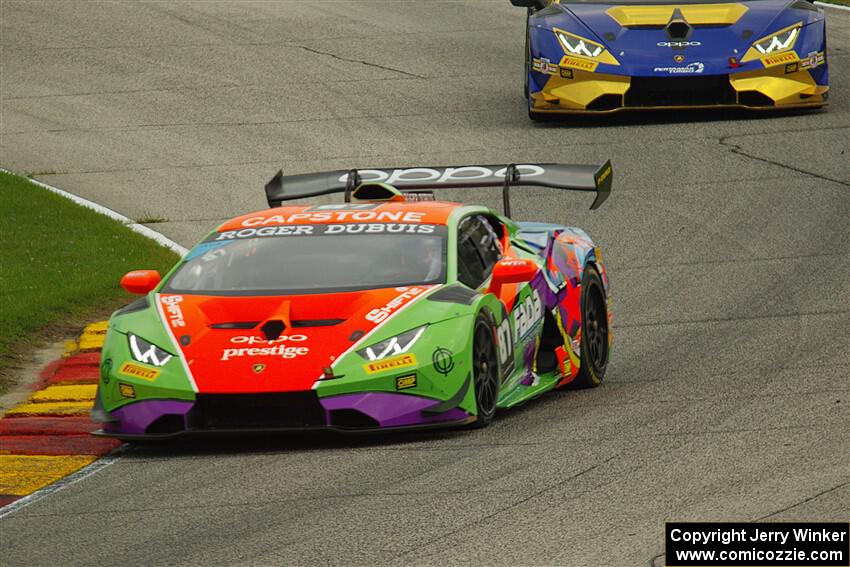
x=485 y=372
x=594 y=331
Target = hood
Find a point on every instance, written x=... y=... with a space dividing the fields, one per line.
x=635 y=33
x=274 y=344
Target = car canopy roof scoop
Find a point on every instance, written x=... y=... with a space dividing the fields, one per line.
x=568 y=177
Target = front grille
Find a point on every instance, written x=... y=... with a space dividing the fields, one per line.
x=606 y=102
x=352 y=419
x=257 y=411
x=680 y=91
x=754 y=98
x=166 y=424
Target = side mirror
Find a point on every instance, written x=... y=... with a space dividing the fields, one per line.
x=140 y=281
x=511 y=271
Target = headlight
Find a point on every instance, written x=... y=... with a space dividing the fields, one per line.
x=580 y=46
x=582 y=53
x=143 y=351
x=780 y=41
x=398 y=344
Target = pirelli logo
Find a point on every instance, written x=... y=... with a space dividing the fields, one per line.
x=577 y=63
x=138 y=371
x=781 y=58
x=394 y=363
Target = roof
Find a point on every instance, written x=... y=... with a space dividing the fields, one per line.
x=421 y=212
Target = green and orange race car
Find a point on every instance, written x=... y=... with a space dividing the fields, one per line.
x=390 y=310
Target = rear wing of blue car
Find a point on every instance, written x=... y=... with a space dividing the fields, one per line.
x=415 y=180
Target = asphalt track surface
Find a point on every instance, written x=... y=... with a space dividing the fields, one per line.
x=727 y=238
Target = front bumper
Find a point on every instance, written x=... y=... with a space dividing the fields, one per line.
x=588 y=92
x=280 y=412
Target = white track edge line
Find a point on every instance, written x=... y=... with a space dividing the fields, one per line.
x=128 y=222
x=113 y=456
x=73 y=478
x=836 y=6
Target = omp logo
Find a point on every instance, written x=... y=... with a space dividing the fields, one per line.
x=126 y=390
x=447 y=175
x=403 y=382
x=679 y=43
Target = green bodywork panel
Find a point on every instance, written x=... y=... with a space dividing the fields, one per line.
x=172 y=381
x=450 y=326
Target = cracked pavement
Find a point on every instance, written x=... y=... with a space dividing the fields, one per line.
x=726 y=237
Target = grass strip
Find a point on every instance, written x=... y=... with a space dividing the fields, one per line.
x=60 y=263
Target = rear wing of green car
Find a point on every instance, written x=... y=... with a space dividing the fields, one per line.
x=568 y=177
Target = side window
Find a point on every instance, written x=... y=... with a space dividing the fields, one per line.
x=478 y=250
x=488 y=242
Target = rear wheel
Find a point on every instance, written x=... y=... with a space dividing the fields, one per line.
x=594 y=331
x=485 y=372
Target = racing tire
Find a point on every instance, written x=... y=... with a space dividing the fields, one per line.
x=485 y=371
x=594 y=331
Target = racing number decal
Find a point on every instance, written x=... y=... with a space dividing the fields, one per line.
x=527 y=315
x=517 y=328
x=505 y=337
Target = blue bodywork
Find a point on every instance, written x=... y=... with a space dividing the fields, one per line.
x=709 y=47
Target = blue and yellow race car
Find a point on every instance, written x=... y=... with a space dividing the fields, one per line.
x=586 y=56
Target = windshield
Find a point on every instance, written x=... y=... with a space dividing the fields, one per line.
x=313 y=259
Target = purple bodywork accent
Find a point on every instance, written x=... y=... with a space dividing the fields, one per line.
x=134 y=419
x=393 y=410
x=528 y=361
x=388 y=409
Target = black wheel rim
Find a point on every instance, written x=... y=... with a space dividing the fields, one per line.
x=596 y=329
x=485 y=372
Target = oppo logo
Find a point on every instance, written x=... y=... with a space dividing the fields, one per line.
x=259 y=340
x=679 y=43
x=446 y=175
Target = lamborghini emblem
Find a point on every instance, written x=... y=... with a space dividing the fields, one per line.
x=259 y=368
x=678 y=58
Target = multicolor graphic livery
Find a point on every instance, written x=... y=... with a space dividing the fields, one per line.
x=386 y=312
